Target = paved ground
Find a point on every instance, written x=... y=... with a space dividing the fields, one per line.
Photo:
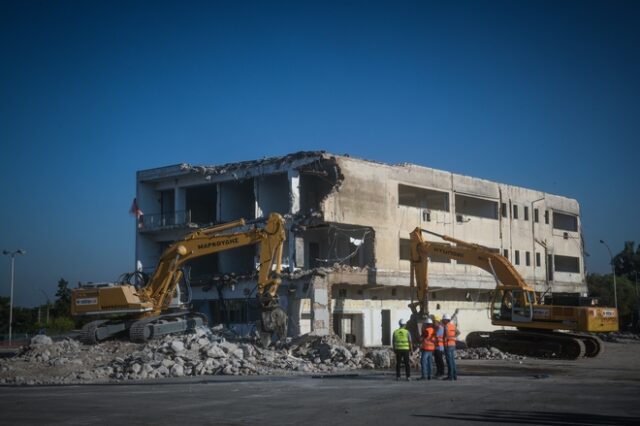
x=601 y=391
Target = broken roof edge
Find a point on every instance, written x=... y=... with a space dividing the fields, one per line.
x=298 y=158
x=184 y=169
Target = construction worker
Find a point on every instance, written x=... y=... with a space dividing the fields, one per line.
x=439 y=352
x=402 y=346
x=426 y=349
x=450 y=333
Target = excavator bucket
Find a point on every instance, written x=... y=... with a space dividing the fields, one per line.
x=274 y=322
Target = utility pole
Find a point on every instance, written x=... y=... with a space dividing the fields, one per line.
x=13 y=259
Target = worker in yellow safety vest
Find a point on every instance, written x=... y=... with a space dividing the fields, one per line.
x=402 y=346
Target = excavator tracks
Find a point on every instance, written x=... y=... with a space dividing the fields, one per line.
x=88 y=333
x=542 y=344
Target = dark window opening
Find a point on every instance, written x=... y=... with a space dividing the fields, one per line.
x=505 y=253
x=503 y=209
x=237 y=200
x=535 y=215
x=201 y=204
x=515 y=211
x=526 y=213
x=273 y=193
x=405 y=249
x=566 y=263
x=423 y=198
x=537 y=259
x=478 y=207
x=314 y=255
x=342 y=293
x=550 y=267
x=565 y=222
x=527 y=258
x=517 y=257
x=546 y=217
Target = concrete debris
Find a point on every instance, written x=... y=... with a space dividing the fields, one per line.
x=486 y=353
x=619 y=337
x=204 y=352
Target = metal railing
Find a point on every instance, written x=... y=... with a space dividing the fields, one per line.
x=165 y=220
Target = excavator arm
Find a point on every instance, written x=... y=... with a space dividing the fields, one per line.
x=473 y=254
x=202 y=242
x=506 y=276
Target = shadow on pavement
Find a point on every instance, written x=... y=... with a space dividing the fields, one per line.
x=539 y=418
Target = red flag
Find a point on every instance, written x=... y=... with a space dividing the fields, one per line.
x=135 y=210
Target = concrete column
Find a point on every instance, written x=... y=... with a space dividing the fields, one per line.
x=256 y=195
x=320 y=309
x=180 y=205
x=296 y=245
x=294 y=313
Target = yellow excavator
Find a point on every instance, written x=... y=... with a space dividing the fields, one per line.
x=152 y=310
x=546 y=330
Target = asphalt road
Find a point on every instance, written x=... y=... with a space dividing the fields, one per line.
x=601 y=391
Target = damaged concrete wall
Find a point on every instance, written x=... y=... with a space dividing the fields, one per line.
x=368 y=195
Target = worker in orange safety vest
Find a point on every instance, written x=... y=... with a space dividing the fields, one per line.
x=426 y=349
x=450 y=334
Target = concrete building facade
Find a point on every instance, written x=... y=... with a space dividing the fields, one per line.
x=348 y=222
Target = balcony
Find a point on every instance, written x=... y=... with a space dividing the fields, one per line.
x=171 y=220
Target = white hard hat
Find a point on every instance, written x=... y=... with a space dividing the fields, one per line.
x=401 y=322
x=445 y=317
x=428 y=321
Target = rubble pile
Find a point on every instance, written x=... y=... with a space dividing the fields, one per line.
x=619 y=337
x=204 y=352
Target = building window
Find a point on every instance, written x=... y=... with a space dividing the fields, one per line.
x=505 y=253
x=394 y=291
x=527 y=258
x=565 y=222
x=517 y=257
x=423 y=198
x=342 y=293
x=526 y=213
x=479 y=207
x=405 y=249
x=546 y=217
x=503 y=209
x=537 y=259
x=535 y=215
x=515 y=211
x=566 y=263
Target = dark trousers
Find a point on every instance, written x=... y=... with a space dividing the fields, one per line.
x=439 y=356
x=403 y=356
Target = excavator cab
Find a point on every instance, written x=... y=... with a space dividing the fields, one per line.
x=512 y=304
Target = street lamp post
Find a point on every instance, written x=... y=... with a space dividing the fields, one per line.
x=613 y=269
x=13 y=259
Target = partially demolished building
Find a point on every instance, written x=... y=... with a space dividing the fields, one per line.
x=348 y=222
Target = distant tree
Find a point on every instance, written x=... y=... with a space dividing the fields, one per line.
x=628 y=260
x=62 y=305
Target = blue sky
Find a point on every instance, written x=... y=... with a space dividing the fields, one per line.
x=544 y=95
